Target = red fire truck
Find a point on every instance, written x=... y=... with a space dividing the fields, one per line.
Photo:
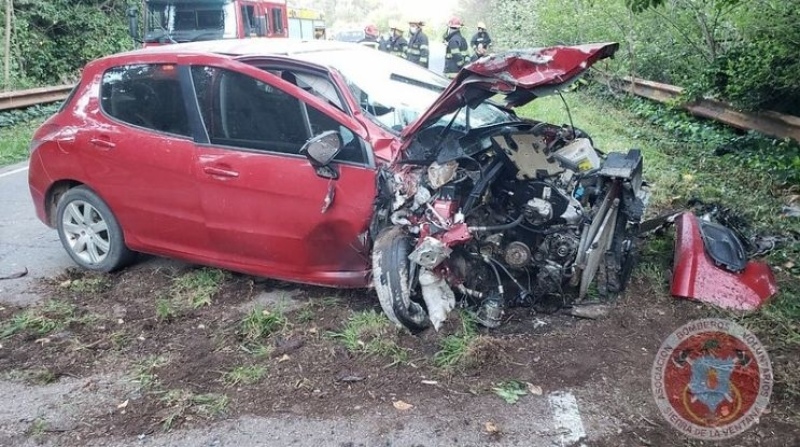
x=173 y=21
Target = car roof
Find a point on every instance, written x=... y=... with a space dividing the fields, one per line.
x=247 y=47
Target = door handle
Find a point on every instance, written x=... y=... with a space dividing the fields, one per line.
x=103 y=141
x=219 y=172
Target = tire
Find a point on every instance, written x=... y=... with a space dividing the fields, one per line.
x=390 y=276
x=89 y=231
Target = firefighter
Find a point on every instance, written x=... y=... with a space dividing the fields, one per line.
x=417 y=51
x=457 y=51
x=397 y=43
x=481 y=41
x=370 y=37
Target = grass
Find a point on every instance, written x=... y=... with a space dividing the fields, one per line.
x=182 y=403
x=37 y=429
x=458 y=350
x=191 y=290
x=260 y=323
x=90 y=285
x=371 y=333
x=50 y=317
x=198 y=287
x=244 y=375
x=14 y=141
x=144 y=371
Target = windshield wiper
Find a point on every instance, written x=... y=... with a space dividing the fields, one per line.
x=415 y=82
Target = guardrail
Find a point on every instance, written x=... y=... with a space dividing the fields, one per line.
x=775 y=124
x=34 y=96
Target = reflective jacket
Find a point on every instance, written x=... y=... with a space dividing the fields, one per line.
x=397 y=46
x=417 y=51
x=481 y=38
x=457 y=53
x=385 y=43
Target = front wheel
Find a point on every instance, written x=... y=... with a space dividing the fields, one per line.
x=392 y=277
x=89 y=231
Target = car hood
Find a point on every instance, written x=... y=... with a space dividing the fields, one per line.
x=519 y=75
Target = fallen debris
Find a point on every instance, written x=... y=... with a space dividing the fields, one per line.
x=590 y=311
x=402 y=406
x=15 y=275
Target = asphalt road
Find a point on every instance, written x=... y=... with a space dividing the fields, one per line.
x=25 y=242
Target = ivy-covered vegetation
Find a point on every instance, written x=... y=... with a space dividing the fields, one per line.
x=742 y=51
x=53 y=39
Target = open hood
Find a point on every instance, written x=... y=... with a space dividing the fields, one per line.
x=519 y=75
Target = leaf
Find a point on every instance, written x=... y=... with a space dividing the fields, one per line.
x=491 y=428
x=402 y=406
x=510 y=391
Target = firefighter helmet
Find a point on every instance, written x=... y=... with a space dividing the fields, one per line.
x=371 y=31
x=455 y=22
x=481 y=25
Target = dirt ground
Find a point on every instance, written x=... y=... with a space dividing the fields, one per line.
x=137 y=356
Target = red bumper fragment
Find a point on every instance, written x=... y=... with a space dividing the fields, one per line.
x=696 y=276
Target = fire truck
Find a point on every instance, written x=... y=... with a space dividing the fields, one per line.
x=306 y=23
x=174 y=21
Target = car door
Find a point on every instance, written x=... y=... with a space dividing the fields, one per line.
x=267 y=211
x=139 y=154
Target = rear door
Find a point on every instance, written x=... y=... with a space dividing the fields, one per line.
x=139 y=157
x=266 y=209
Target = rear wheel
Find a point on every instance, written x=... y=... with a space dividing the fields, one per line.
x=89 y=231
x=392 y=277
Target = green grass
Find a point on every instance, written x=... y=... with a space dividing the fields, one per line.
x=260 y=323
x=198 y=287
x=14 y=141
x=371 y=333
x=458 y=350
x=244 y=375
x=37 y=429
x=144 y=371
x=50 y=317
x=182 y=403
x=90 y=285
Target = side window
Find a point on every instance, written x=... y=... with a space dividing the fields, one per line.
x=147 y=96
x=241 y=111
x=277 y=21
x=249 y=20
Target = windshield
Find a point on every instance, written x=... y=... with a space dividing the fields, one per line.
x=394 y=92
x=189 y=21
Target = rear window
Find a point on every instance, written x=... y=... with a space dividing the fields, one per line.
x=147 y=96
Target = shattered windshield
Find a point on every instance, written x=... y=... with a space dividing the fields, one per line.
x=394 y=92
x=174 y=21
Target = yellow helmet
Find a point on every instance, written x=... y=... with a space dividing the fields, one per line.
x=481 y=25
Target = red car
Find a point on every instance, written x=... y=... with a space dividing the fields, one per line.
x=333 y=164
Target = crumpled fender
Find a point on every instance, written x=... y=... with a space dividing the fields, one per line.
x=696 y=276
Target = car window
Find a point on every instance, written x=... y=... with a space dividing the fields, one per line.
x=147 y=96
x=241 y=111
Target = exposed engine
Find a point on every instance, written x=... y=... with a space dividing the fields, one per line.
x=516 y=215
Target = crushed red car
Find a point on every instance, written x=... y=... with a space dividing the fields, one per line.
x=333 y=164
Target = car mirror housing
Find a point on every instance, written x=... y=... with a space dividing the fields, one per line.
x=321 y=149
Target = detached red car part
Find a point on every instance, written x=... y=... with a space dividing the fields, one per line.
x=710 y=266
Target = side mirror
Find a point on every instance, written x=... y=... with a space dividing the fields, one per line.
x=133 y=23
x=321 y=149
